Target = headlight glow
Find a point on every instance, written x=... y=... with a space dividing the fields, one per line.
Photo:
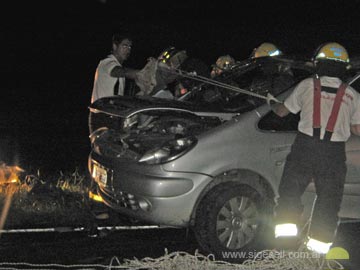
x=169 y=151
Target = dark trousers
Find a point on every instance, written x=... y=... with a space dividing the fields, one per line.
x=320 y=161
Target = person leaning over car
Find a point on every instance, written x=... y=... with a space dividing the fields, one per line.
x=329 y=112
x=110 y=73
x=110 y=77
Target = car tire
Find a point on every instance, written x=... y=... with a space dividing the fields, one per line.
x=232 y=218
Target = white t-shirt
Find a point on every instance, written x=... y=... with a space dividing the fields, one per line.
x=301 y=99
x=103 y=82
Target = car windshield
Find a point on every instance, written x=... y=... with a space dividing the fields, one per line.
x=259 y=76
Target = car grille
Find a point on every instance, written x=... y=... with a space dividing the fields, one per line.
x=111 y=145
x=119 y=199
x=116 y=151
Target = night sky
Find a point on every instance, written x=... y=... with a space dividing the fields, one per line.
x=51 y=49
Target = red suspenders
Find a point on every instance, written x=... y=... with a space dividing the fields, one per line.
x=317 y=100
x=335 y=109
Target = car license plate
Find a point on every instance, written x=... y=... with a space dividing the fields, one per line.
x=99 y=174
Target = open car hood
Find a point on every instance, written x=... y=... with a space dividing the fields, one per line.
x=126 y=107
x=211 y=98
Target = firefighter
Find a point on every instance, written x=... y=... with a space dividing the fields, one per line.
x=274 y=76
x=223 y=63
x=266 y=49
x=173 y=57
x=329 y=112
x=176 y=59
x=158 y=73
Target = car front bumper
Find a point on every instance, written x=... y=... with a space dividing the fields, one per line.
x=148 y=193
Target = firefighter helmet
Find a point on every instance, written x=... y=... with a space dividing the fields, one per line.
x=166 y=54
x=266 y=49
x=172 y=56
x=332 y=51
x=223 y=63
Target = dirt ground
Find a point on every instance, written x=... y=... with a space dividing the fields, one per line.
x=78 y=248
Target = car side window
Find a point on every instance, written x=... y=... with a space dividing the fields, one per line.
x=274 y=123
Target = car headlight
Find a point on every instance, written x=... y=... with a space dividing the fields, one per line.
x=169 y=151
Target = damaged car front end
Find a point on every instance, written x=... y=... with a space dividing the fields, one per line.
x=127 y=161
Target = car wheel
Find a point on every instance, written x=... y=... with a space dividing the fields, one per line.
x=230 y=219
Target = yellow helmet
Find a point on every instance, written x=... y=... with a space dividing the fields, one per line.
x=332 y=51
x=266 y=49
x=225 y=62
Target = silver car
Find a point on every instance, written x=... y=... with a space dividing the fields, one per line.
x=207 y=166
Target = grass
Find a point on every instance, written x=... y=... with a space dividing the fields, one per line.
x=43 y=201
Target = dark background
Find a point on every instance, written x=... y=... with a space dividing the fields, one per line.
x=50 y=51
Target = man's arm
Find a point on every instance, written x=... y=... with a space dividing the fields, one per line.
x=131 y=73
x=119 y=71
x=277 y=106
x=355 y=129
x=280 y=109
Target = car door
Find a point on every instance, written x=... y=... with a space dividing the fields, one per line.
x=284 y=131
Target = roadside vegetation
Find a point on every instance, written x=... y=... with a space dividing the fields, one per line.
x=36 y=200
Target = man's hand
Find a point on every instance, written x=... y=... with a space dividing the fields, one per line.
x=276 y=105
x=355 y=129
x=271 y=100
